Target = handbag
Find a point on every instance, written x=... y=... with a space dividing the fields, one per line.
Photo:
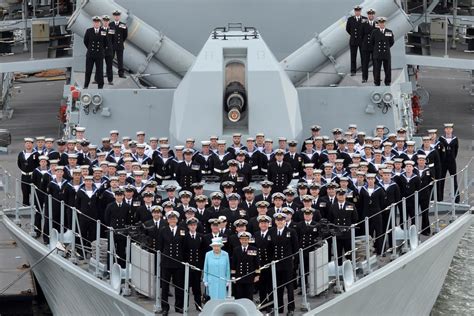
x=205 y=296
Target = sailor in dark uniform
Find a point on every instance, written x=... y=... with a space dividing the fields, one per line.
x=188 y=172
x=283 y=244
x=426 y=174
x=116 y=217
x=354 y=29
x=238 y=179
x=27 y=162
x=245 y=267
x=343 y=213
x=308 y=235
x=171 y=243
x=109 y=49
x=244 y=168
x=409 y=182
x=280 y=172
x=202 y=214
x=194 y=252
x=153 y=227
x=120 y=31
x=382 y=40
x=449 y=152
x=262 y=241
x=204 y=159
x=294 y=159
x=95 y=40
x=366 y=55
x=86 y=202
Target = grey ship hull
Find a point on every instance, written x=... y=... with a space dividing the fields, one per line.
x=406 y=286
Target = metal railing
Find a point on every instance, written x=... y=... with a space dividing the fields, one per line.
x=361 y=265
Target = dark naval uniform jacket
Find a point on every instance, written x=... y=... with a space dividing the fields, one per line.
x=381 y=43
x=245 y=264
x=343 y=217
x=95 y=42
x=280 y=176
x=282 y=247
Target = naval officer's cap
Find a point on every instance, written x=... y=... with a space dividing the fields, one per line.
x=371 y=11
x=148 y=194
x=216 y=195
x=95 y=19
x=116 y=12
x=292 y=143
x=315 y=128
x=307 y=197
x=307 y=210
x=168 y=204
x=119 y=191
x=170 y=187
x=172 y=214
x=288 y=210
x=446 y=125
x=264 y=218
x=262 y=204
x=382 y=19
x=200 y=198
x=191 y=221
x=289 y=191
x=244 y=235
x=233 y=196
x=240 y=222
x=266 y=183
x=357 y=8
x=191 y=210
x=278 y=195
x=197 y=185
x=106 y=18
x=213 y=221
x=279 y=216
x=232 y=162
x=241 y=152
x=185 y=193
x=248 y=189
x=156 y=209
x=228 y=184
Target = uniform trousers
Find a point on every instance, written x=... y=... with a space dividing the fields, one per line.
x=177 y=276
x=354 y=49
x=99 y=71
x=119 y=54
x=387 y=68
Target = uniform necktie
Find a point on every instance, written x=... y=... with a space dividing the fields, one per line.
x=192 y=236
x=156 y=224
x=263 y=235
x=340 y=206
x=120 y=205
x=279 y=233
x=245 y=249
x=174 y=231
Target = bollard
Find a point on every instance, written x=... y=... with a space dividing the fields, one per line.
x=305 y=303
x=73 y=258
x=186 y=289
x=61 y=228
x=17 y=202
x=436 y=211
x=275 y=289
x=353 y=252
x=111 y=250
x=97 y=248
x=394 y=238
x=157 y=306
x=50 y=213
x=405 y=226
x=367 y=245
x=32 y=210
x=337 y=288
x=453 y=199
x=126 y=290
x=417 y=212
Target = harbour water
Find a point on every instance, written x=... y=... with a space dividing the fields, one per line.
x=457 y=295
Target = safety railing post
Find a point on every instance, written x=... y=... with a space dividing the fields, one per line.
x=32 y=210
x=17 y=202
x=417 y=212
x=337 y=288
x=305 y=303
x=466 y=185
x=367 y=245
x=405 y=225
x=73 y=257
x=157 y=306
x=435 y=204
x=274 y=289
x=126 y=290
x=453 y=199
x=50 y=213
x=111 y=249
x=394 y=238
x=353 y=252
x=61 y=221
x=97 y=248
x=186 y=289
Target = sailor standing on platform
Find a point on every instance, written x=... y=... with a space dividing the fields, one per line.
x=27 y=162
x=382 y=39
x=366 y=55
x=109 y=50
x=120 y=35
x=95 y=41
x=354 y=28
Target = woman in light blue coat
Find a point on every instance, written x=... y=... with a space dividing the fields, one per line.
x=216 y=270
